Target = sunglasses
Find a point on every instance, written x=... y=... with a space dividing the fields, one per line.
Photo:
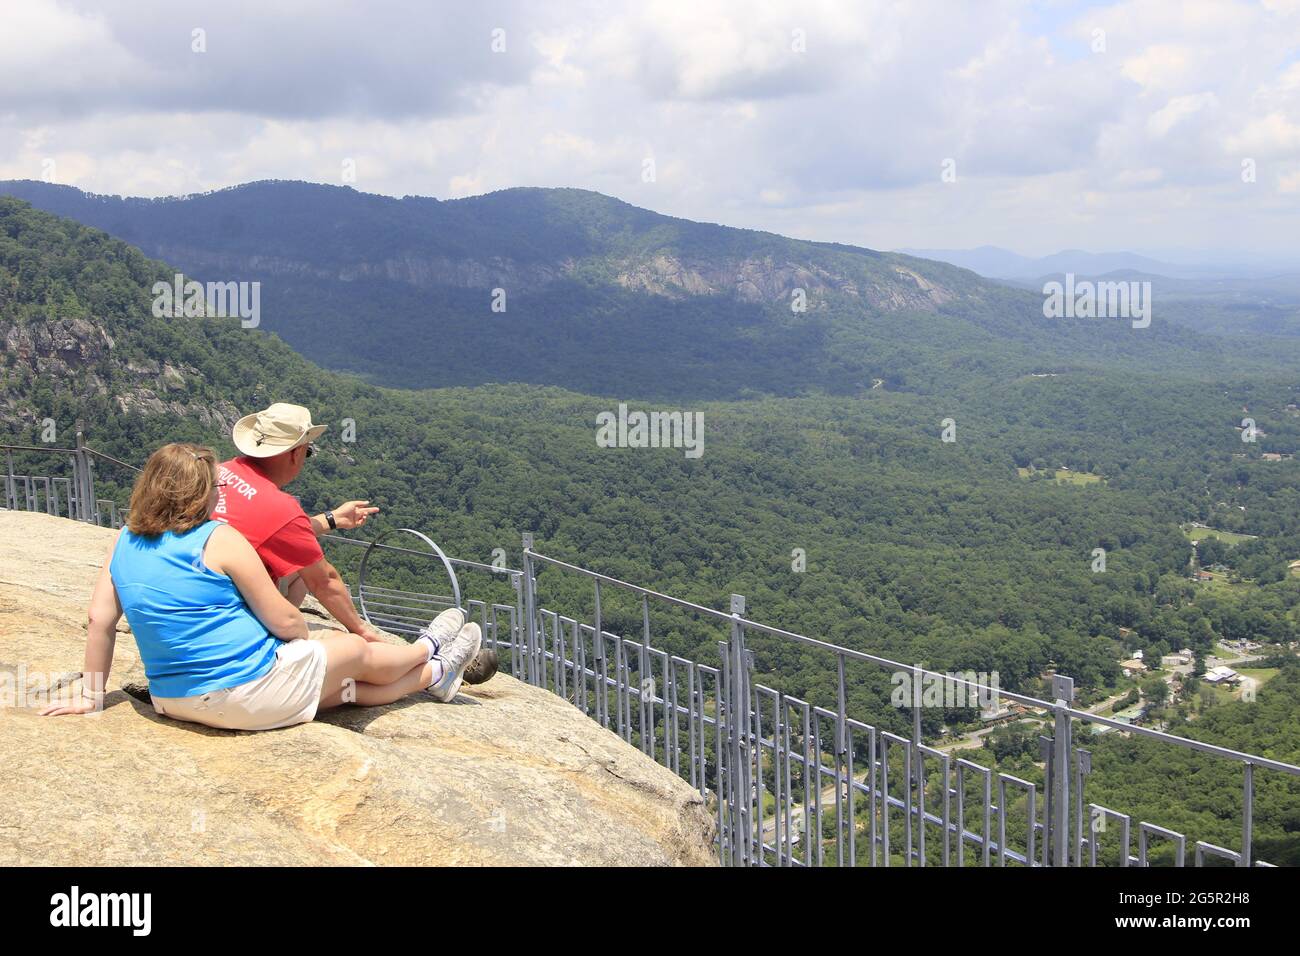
x=310 y=449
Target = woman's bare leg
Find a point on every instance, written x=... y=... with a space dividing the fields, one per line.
x=350 y=657
x=373 y=695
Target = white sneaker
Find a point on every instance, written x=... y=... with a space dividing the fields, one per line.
x=440 y=631
x=455 y=656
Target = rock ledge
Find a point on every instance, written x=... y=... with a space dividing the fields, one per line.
x=507 y=774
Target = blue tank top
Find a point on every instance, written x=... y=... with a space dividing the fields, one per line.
x=194 y=631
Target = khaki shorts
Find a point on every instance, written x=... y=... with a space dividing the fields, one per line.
x=287 y=694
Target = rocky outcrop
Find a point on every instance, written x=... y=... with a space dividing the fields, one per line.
x=751 y=279
x=766 y=279
x=505 y=774
x=422 y=271
x=74 y=343
x=78 y=354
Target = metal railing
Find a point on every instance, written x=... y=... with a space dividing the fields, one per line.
x=762 y=733
x=71 y=495
x=905 y=801
x=728 y=735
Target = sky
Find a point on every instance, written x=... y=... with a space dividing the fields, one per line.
x=1168 y=127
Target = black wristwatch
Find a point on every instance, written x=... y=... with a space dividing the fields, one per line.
x=329 y=517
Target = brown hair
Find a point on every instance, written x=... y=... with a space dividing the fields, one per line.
x=173 y=491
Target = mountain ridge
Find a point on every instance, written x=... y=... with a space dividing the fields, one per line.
x=605 y=221
x=572 y=288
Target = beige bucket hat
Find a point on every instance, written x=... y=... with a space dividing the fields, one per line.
x=275 y=430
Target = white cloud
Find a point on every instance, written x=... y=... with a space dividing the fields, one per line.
x=1162 y=66
x=1176 y=111
x=841 y=140
x=1271 y=135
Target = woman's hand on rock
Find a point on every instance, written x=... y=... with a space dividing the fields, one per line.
x=81 y=707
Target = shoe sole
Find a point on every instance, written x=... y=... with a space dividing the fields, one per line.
x=448 y=696
x=489 y=661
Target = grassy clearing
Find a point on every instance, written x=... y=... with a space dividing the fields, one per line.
x=1228 y=537
x=1225 y=695
x=1219 y=582
x=1261 y=674
x=1064 y=476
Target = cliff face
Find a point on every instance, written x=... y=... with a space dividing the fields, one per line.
x=506 y=774
x=77 y=354
x=422 y=271
x=751 y=279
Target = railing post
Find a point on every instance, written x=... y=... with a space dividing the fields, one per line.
x=85 y=481
x=11 y=491
x=79 y=472
x=917 y=777
x=646 y=680
x=841 y=761
x=73 y=490
x=601 y=667
x=737 y=715
x=1247 y=814
x=517 y=627
x=1047 y=751
x=723 y=757
x=1063 y=694
x=530 y=609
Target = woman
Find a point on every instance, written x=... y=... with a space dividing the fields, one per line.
x=220 y=645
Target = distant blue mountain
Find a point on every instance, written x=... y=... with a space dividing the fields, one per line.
x=995 y=263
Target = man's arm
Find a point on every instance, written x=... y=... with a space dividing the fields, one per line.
x=327 y=585
x=349 y=515
x=295 y=549
x=228 y=553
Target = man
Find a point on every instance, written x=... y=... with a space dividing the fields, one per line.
x=274 y=445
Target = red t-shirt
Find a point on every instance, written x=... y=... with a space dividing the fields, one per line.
x=272 y=521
